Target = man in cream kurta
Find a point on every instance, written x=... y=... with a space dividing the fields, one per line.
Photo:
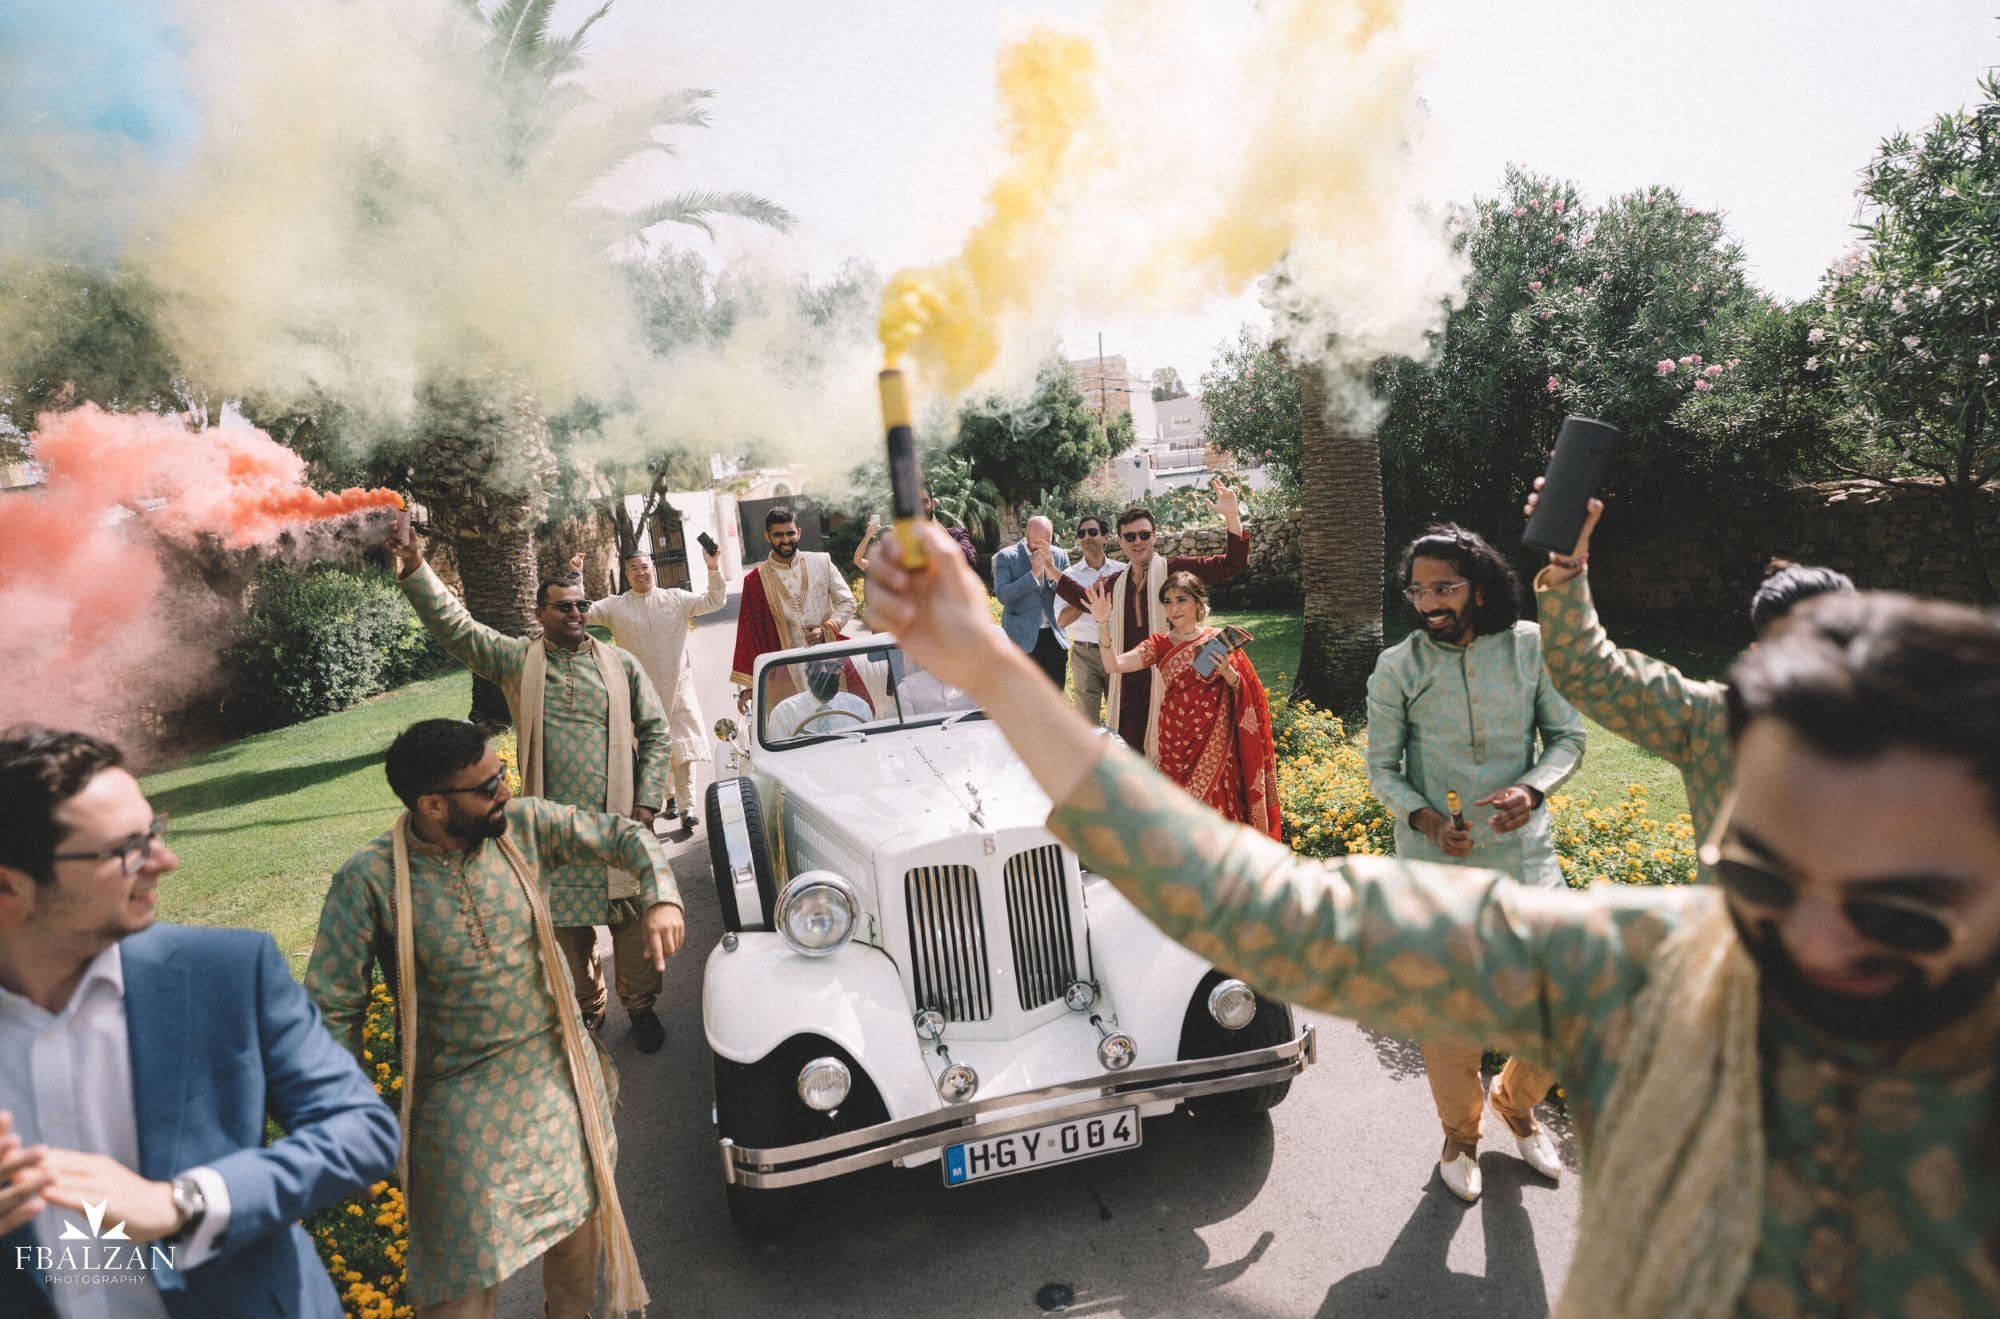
x=509 y=1148
x=794 y=598
x=593 y=736
x=652 y=621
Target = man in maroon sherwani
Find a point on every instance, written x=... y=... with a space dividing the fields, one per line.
x=1137 y=612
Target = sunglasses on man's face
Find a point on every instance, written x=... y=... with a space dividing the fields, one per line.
x=1091 y=531
x=569 y=606
x=487 y=788
x=1904 y=925
x=1133 y=537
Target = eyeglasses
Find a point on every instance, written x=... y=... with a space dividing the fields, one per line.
x=1442 y=591
x=569 y=606
x=1905 y=925
x=1132 y=537
x=1090 y=531
x=131 y=854
x=488 y=789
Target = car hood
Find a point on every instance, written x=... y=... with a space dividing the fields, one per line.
x=902 y=789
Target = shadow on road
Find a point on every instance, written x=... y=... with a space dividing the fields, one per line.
x=1414 y=1278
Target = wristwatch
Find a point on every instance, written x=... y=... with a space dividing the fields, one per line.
x=190 y=1204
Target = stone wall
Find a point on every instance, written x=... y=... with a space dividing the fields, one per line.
x=1696 y=559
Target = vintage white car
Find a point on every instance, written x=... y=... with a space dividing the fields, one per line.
x=914 y=970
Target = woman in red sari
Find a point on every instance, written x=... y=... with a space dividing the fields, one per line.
x=1214 y=731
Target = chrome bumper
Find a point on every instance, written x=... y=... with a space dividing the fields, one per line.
x=836 y=1156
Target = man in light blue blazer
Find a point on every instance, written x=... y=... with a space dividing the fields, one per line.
x=1024 y=577
x=138 y=1063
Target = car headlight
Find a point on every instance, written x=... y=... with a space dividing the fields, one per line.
x=824 y=1083
x=1232 y=1004
x=816 y=913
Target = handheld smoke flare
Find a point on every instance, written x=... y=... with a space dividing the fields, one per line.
x=905 y=481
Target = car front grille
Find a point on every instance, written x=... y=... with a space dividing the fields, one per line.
x=1038 y=922
x=948 y=942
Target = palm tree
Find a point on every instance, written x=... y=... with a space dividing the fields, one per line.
x=483 y=466
x=1340 y=536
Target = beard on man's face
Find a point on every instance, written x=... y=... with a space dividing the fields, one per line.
x=489 y=821
x=1444 y=622
x=1914 y=1008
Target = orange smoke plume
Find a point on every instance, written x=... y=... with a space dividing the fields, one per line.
x=87 y=641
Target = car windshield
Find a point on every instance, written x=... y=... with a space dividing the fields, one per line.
x=815 y=697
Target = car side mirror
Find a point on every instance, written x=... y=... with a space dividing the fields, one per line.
x=725 y=730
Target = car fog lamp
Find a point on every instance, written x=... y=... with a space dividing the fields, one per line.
x=957 y=1083
x=816 y=913
x=824 y=1083
x=1116 y=1051
x=1079 y=996
x=1232 y=1004
x=930 y=1024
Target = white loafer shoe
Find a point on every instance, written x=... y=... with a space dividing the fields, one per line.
x=1461 y=1176
x=1540 y=1153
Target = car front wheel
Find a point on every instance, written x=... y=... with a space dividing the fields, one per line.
x=1203 y=1037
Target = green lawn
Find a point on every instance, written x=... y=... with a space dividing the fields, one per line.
x=1609 y=764
x=261 y=824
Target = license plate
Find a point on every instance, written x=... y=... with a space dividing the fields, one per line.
x=1059 y=1142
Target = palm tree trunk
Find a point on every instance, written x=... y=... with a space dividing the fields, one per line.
x=499 y=575
x=1340 y=539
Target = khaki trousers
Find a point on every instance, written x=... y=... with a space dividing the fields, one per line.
x=1089 y=686
x=638 y=983
x=683 y=771
x=1461 y=1100
x=569 y=1283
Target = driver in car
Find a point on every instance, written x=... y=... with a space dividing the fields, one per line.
x=822 y=707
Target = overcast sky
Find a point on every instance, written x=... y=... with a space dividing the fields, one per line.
x=879 y=131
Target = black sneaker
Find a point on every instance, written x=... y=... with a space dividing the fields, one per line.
x=647 y=1032
x=688 y=822
x=592 y=1021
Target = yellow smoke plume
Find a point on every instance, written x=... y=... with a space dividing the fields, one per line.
x=1178 y=154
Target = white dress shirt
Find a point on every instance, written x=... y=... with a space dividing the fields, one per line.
x=1085 y=628
x=67 y=1079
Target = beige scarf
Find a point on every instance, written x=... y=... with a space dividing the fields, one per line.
x=788 y=612
x=1156 y=621
x=1673 y=1198
x=620 y=749
x=621 y=1261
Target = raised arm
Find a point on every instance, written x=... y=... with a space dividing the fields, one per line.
x=717 y=594
x=491 y=654
x=1643 y=700
x=868 y=535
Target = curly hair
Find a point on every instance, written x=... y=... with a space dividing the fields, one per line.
x=1496 y=591
x=40 y=769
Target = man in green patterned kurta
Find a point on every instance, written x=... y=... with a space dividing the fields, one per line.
x=571 y=754
x=499 y=1167
x=1786 y=1082
x=1649 y=702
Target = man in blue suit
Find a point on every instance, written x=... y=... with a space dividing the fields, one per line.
x=137 y=1065
x=1024 y=577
